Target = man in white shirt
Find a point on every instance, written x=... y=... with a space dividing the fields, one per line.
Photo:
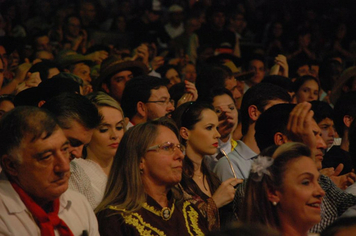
x=34 y=195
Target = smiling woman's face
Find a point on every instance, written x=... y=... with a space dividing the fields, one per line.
x=300 y=195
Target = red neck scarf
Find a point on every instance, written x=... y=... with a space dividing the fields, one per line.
x=46 y=221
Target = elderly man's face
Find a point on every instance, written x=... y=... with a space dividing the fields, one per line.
x=43 y=171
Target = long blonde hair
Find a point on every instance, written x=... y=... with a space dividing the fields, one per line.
x=125 y=189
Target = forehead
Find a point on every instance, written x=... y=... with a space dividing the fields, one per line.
x=42 y=39
x=110 y=113
x=326 y=121
x=299 y=166
x=78 y=132
x=44 y=142
x=171 y=71
x=256 y=63
x=81 y=65
x=161 y=92
x=165 y=135
x=230 y=83
x=310 y=83
x=222 y=99
x=122 y=73
x=73 y=20
x=6 y=105
x=208 y=116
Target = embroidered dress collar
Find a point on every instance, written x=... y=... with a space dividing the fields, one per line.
x=165 y=212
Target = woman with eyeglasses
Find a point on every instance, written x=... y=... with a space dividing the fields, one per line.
x=139 y=199
x=198 y=123
x=89 y=174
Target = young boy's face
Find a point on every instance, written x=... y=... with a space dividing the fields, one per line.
x=327 y=131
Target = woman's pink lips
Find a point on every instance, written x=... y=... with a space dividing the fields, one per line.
x=216 y=145
x=114 y=145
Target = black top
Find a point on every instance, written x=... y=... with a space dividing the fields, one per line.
x=335 y=156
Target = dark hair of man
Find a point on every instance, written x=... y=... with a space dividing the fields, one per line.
x=344 y=106
x=274 y=120
x=210 y=77
x=260 y=95
x=24 y=121
x=70 y=106
x=43 y=68
x=280 y=81
x=138 y=89
x=322 y=110
x=339 y=225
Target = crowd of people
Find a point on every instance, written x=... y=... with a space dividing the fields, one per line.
x=176 y=117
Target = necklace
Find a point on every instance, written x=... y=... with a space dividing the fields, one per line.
x=199 y=176
x=165 y=213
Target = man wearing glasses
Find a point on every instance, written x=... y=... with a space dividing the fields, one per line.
x=146 y=98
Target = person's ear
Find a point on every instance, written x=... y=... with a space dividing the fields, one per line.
x=347 y=120
x=273 y=196
x=9 y=165
x=141 y=109
x=105 y=87
x=279 y=138
x=142 y=165
x=184 y=133
x=253 y=112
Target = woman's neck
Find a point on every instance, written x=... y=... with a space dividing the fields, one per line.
x=104 y=162
x=158 y=193
x=196 y=159
x=293 y=230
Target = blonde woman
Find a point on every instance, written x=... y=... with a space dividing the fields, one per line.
x=90 y=173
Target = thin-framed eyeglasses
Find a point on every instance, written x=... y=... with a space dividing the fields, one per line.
x=167 y=147
x=163 y=102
